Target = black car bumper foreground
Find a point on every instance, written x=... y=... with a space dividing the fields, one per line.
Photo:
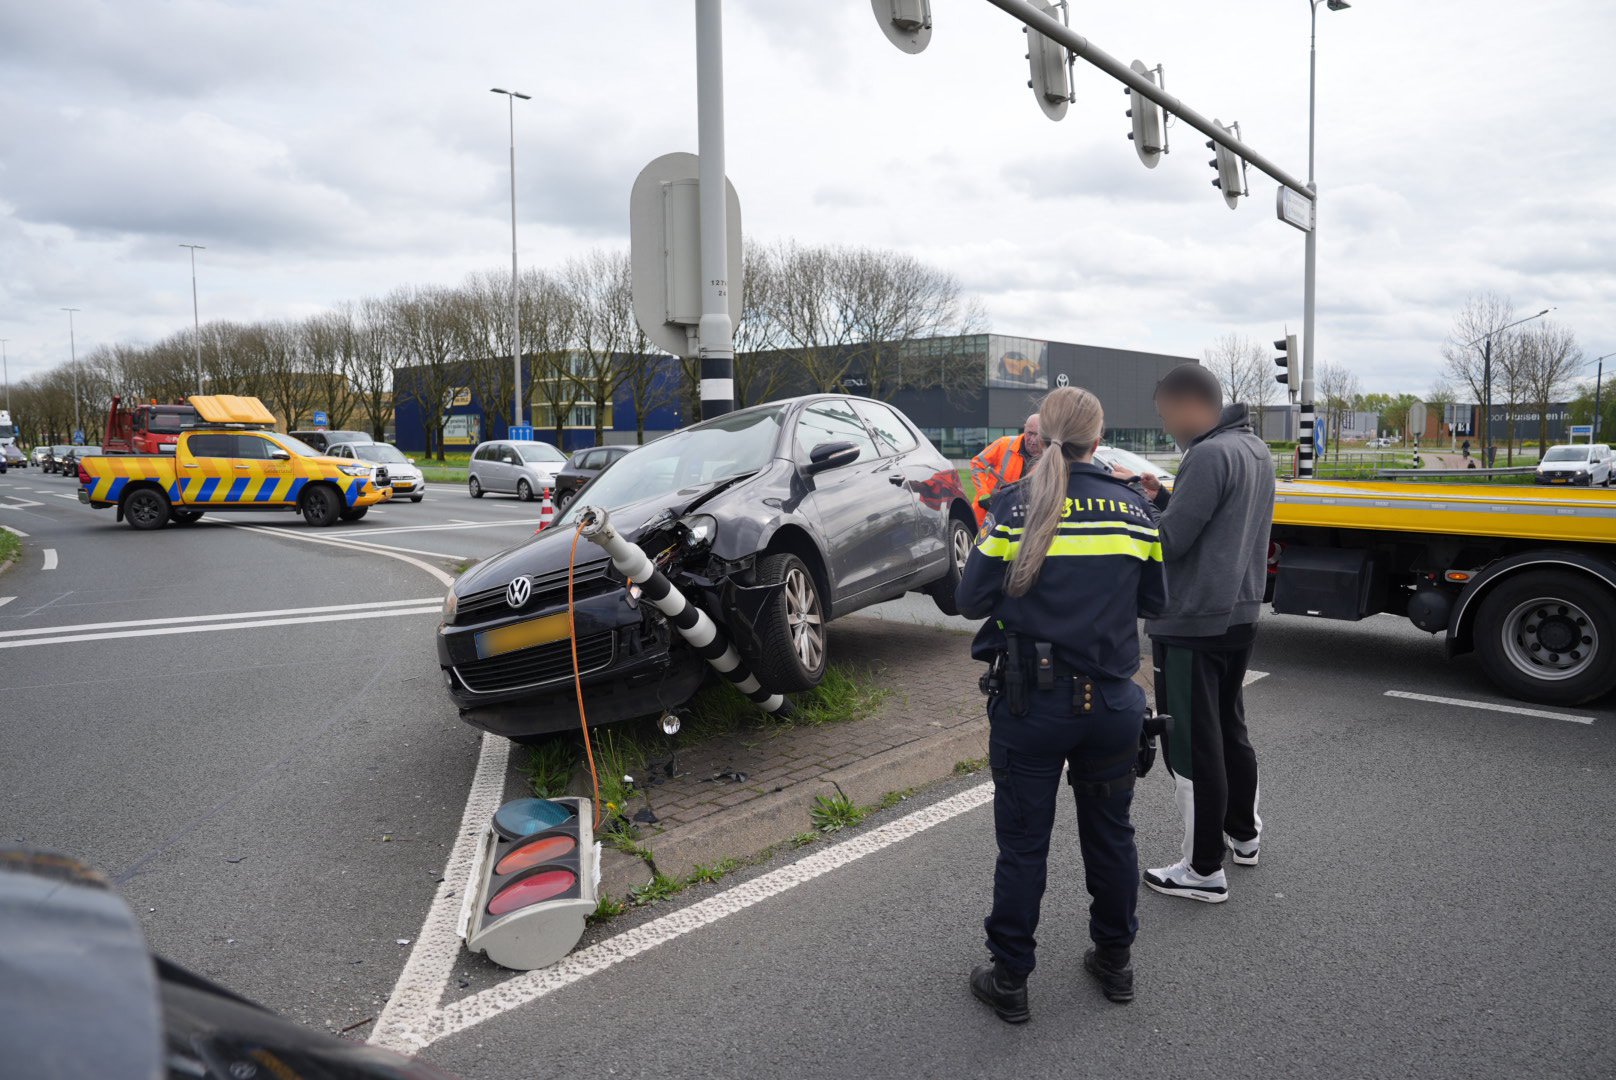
x=629 y=666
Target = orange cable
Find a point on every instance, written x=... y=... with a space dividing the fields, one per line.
x=577 y=676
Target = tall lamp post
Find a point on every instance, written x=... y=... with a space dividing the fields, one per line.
x=1310 y=249
x=5 y=371
x=73 y=355
x=196 y=317
x=516 y=304
x=1599 y=379
x=1487 y=380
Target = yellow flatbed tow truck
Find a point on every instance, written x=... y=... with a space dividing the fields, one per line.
x=1526 y=577
x=231 y=460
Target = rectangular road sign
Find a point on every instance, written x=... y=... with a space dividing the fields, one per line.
x=1293 y=209
x=1582 y=431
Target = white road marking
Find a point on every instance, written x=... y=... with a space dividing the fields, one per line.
x=413 y=1022
x=1253 y=676
x=14 y=532
x=1518 y=710
x=225 y=617
x=402 y=554
x=66 y=495
x=453 y=527
x=18 y=503
x=50 y=558
x=162 y=631
x=4 y=600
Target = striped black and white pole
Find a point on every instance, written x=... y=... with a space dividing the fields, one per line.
x=1304 y=442
x=692 y=623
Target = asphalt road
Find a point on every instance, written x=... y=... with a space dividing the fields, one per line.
x=277 y=798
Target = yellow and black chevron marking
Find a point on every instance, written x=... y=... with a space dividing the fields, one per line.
x=227 y=482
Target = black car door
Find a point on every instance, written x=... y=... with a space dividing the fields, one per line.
x=863 y=508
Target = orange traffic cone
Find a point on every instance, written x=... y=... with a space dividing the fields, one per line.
x=546 y=513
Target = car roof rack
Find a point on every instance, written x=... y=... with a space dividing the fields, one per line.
x=231 y=410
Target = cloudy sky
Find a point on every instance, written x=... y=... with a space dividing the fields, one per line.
x=328 y=151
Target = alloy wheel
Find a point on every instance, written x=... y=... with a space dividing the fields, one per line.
x=804 y=618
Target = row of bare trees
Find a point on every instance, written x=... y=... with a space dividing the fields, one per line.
x=820 y=318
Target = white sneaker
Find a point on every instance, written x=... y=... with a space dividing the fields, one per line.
x=1243 y=852
x=1180 y=880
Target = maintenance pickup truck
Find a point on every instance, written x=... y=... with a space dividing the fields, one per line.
x=231 y=460
x=1524 y=577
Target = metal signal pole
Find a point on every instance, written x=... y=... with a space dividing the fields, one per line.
x=715 y=332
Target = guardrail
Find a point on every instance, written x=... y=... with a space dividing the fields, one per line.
x=1469 y=474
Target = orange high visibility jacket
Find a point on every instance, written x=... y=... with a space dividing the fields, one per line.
x=1000 y=462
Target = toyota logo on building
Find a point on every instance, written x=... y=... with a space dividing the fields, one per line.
x=519 y=592
x=1063 y=379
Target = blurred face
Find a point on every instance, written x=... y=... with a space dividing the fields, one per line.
x=1185 y=419
x=1031 y=444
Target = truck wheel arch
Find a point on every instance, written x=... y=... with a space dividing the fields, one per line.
x=134 y=486
x=1461 y=625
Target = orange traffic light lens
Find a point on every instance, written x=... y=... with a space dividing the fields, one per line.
x=546 y=850
x=532 y=890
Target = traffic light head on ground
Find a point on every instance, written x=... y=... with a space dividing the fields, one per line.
x=534 y=885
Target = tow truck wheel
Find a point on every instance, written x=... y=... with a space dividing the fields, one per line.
x=187 y=517
x=791 y=629
x=146 y=508
x=1549 y=637
x=942 y=590
x=321 y=505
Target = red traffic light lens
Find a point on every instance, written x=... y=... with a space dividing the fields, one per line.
x=549 y=849
x=532 y=890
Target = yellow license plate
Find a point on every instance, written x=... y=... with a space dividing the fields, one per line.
x=522 y=635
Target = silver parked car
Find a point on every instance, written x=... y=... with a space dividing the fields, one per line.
x=407 y=479
x=523 y=469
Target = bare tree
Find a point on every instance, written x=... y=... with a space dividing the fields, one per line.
x=1464 y=357
x=1339 y=387
x=483 y=341
x=601 y=287
x=423 y=318
x=372 y=354
x=1242 y=367
x=1549 y=359
x=811 y=309
x=549 y=329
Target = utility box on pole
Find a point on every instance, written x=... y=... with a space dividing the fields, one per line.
x=664 y=216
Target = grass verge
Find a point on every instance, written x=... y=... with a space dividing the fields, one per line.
x=10 y=547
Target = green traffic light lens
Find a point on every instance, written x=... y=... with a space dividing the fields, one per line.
x=524 y=817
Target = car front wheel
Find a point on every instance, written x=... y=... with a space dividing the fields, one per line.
x=959 y=550
x=322 y=506
x=791 y=629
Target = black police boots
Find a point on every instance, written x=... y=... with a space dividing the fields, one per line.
x=1113 y=968
x=1004 y=992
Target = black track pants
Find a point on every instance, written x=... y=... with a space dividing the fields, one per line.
x=1213 y=765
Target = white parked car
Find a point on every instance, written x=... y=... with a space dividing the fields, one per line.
x=523 y=469
x=407 y=479
x=1112 y=458
x=1579 y=464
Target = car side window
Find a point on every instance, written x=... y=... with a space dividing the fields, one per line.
x=595 y=459
x=890 y=430
x=508 y=456
x=211 y=446
x=253 y=447
x=831 y=421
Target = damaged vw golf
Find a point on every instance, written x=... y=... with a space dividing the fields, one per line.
x=772 y=520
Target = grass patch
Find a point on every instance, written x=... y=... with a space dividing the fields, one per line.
x=802 y=839
x=706 y=875
x=548 y=767
x=10 y=546
x=969 y=766
x=607 y=908
x=833 y=813
x=893 y=798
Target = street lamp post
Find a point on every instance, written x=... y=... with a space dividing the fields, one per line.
x=1599 y=378
x=5 y=371
x=1487 y=381
x=73 y=356
x=516 y=303
x=1310 y=247
x=196 y=317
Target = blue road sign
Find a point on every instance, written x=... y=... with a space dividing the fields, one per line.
x=1579 y=431
x=78 y=437
x=522 y=432
x=321 y=419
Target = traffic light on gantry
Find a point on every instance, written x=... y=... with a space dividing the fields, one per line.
x=1286 y=358
x=1051 y=66
x=1229 y=167
x=1149 y=132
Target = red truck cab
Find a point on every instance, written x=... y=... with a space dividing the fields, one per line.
x=145 y=429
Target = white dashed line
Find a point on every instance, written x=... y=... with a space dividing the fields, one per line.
x=1253 y=676
x=279 y=613
x=413 y=1019
x=4 y=600
x=1489 y=706
x=50 y=558
x=163 y=631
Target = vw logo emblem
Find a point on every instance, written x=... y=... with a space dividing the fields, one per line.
x=519 y=592
x=1063 y=379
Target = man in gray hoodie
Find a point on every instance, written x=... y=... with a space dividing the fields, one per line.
x=1214 y=532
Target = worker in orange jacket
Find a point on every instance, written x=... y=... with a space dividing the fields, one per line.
x=1004 y=461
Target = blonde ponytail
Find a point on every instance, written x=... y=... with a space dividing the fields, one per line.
x=1070 y=421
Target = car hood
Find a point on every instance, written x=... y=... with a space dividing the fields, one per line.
x=1565 y=466
x=550 y=551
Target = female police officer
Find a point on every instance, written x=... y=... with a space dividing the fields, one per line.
x=1067 y=560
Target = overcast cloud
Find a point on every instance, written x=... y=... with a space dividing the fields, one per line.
x=329 y=151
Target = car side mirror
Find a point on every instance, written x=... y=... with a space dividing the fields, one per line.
x=409 y=461
x=279 y=455
x=831 y=455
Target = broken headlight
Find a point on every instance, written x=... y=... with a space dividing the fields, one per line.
x=699 y=529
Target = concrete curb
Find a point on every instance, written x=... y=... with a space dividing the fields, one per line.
x=778 y=816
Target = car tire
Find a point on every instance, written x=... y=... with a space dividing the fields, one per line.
x=792 y=641
x=474 y=486
x=146 y=508
x=186 y=517
x=524 y=491
x=1524 y=619
x=321 y=506
x=960 y=541
x=564 y=500
x=355 y=514
x=416 y=498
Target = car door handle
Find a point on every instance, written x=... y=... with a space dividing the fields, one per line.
x=188 y=464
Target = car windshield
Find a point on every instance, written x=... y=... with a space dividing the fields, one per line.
x=734 y=445
x=385 y=452
x=1566 y=453
x=1128 y=460
x=298 y=446
x=538 y=452
x=172 y=423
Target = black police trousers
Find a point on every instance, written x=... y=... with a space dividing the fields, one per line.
x=1026 y=754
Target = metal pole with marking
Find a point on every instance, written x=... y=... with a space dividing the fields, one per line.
x=692 y=623
x=716 y=333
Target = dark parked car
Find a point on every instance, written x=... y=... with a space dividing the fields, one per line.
x=12 y=458
x=584 y=467
x=323 y=440
x=68 y=463
x=53 y=457
x=775 y=519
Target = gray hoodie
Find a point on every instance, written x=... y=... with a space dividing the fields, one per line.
x=1214 y=532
